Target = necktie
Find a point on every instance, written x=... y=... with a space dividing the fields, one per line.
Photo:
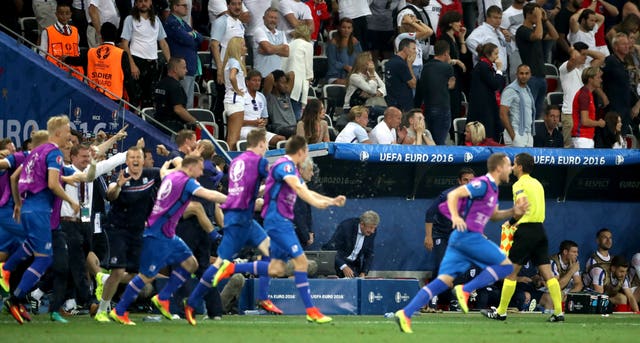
x=66 y=30
x=81 y=193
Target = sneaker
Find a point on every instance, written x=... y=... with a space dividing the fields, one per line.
x=34 y=304
x=189 y=314
x=14 y=310
x=404 y=322
x=4 y=278
x=532 y=305
x=269 y=306
x=102 y=317
x=123 y=319
x=99 y=285
x=226 y=270
x=556 y=318
x=493 y=314
x=56 y=317
x=463 y=298
x=314 y=316
x=162 y=306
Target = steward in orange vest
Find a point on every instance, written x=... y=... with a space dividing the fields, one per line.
x=61 y=39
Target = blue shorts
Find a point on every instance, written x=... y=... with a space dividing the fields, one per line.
x=37 y=225
x=284 y=242
x=466 y=249
x=236 y=236
x=160 y=251
x=11 y=233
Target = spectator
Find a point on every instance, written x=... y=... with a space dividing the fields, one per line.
x=433 y=92
x=411 y=24
x=354 y=241
x=614 y=283
x=184 y=41
x=584 y=110
x=45 y=12
x=365 y=87
x=601 y=258
x=357 y=11
x=517 y=106
x=385 y=131
x=269 y=44
x=171 y=99
x=400 y=79
x=416 y=133
x=277 y=89
x=342 y=50
x=300 y=62
x=99 y=12
x=312 y=126
x=60 y=39
x=455 y=34
x=483 y=9
x=218 y=8
x=380 y=30
x=255 y=110
x=610 y=137
x=512 y=19
x=610 y=12
x=355 y=131
x=320 y=13
x=294 y=13
x=489 y=32
x=235 y=88
x=474 y=135
x=428 y=13
x=583 y=27
x=141 y=33
x=484 y=94
x=563 y=48
x=566 y=268
x=550 y=136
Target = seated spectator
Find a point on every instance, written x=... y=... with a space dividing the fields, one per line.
x=550 y=137
x=312 y=125
x=354 y=240
x=342 y=50
x=255 y=110
x=614 y=283
x=416 y=132
x=385 y=131
x=355 y=131
x=365 y=87
x=610 y=136
x=277 y=90
x=566 y=268
x=474 y=135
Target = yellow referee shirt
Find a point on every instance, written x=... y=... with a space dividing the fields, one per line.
x=532 y=190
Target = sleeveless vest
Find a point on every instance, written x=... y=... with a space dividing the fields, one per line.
x=170 y=204
x=280 y=195
x=63 y=45
x=475 y=212
x=33 y=178
x=104 y=67
x=244 y=179
x=5 y=179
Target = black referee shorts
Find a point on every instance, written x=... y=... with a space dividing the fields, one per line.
x=530 y=243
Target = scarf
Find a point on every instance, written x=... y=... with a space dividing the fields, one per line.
x=493 y=70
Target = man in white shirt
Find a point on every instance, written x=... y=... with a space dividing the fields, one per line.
x=269 y=44
x=294 y=13
x=141 y=33
x=385 y=131
x=489 y=32
x=583 y=26
x=255 y=109
x=98 y=13
x=483 y=7
x=512 y=19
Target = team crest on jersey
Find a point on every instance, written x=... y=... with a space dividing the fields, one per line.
x=288 y=168
x=476 y=183
x=237 y=171
x=165 y=189
x=59 y=160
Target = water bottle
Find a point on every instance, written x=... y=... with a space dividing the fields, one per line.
x=251 y=312
x=389 y=315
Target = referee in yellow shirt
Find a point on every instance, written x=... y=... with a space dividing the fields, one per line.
x=530 y=242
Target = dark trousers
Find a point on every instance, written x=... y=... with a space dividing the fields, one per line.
x=59 y=272
x=141 y=91
x=217 y=107
x=78 y=241
x=79 y=19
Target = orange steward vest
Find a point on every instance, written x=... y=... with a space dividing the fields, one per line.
x=104 y=67
x=62 y=45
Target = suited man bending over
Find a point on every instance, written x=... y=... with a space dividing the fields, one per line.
x=353 y=240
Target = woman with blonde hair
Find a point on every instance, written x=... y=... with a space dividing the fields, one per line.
x=300 y=61
x=355 y=131
x=312 y=126
x=235 y=88
x=475 y=135
x=365 y=87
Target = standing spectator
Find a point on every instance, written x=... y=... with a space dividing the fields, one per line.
x=183 y=41
x=312 y=125
x=583 y=27
x=354 y=241
x=45 y=12
x=61 y=39
x=483 y=9
x=412 y=24
x=516 y=108
x=385 y=131
x=256 y=115
x=269 y=44
x=433 y=92
x=428 y=12
x=300 y=62
x=610 y=13
x=380 y=30
x=571 y=81
x=610 y=137
x=489 y=32
x=294 y=13
x=550 y=136
x=455 y=34
x=218 y=8
x=342 y=50
x=400 y=79
x=320 y=14
x=97 y=13
x=277 y=89
x=355 y=130
x=357 y=11
x=141 y=33
x=584 y=110
x=512 y=19
x=529 y=37
x=235 y=88
x=171 y=99
x=563 y=47
x=484 y=94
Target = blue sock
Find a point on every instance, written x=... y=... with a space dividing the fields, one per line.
x=32 y=275
x=488 y=276
x=130 y=294
x=202 y=287
x=20 y=255
x=302 y=284
x=263 y=273
x=427 y=292
x=178 y=276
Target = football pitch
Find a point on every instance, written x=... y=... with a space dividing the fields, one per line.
x=444 y=327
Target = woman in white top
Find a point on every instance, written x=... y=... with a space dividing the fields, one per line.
x=300 y=61
x=235 y=88
x=354 y=131
x=365 y=87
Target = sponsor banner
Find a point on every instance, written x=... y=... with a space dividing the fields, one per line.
x=382 y=296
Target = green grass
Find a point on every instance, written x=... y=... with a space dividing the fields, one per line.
x=447 y=327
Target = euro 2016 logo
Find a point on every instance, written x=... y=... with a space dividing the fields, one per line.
x=103 y=52
x=468 y=157
x=237 y=171
x=364 y=156
x=619 y=160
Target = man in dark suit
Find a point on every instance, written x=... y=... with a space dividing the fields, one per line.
x=353 y=240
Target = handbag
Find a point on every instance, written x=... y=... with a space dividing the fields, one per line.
x=357 y=99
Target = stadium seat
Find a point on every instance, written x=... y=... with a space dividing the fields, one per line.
x=281 y=144
x=458 y=125
x=333 y=96
x=29 y=28
x=147 y=112
x=223 y=144
x=555 y=98
x=539 y=125
x=320 y=68
x=241 y=145
x=205 y=117
x=552 y=76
